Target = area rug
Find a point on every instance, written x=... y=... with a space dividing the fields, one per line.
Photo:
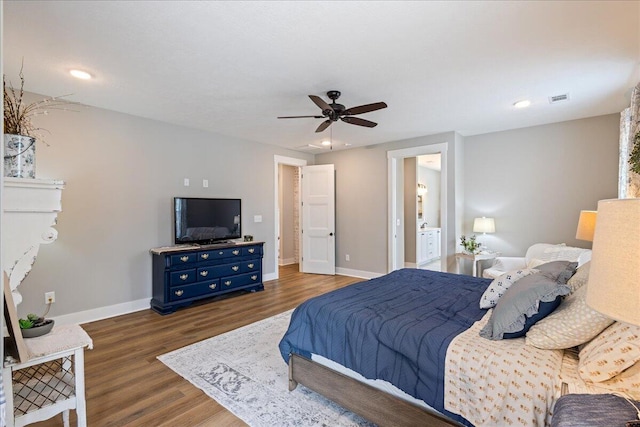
x=244 y=372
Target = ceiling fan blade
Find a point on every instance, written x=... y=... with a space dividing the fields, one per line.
x=300 y=117
x=365 y=108
x=358 y=121
x=323 y=125
x=320 y=103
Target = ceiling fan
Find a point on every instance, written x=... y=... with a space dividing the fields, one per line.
x=334 y=111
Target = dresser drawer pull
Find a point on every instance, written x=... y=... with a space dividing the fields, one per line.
x=235 y=252
x=184 y=276
x=184 y=258
x=179 y=292
x=251 y=250
x=228 y=283
x=213 y=286
x=204 y=273
x=204 y=256
x=235 y=268
x=250 y=265
x=254 y=277
x=220 y=253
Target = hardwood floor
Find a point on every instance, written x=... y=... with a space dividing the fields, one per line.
x=127 y=386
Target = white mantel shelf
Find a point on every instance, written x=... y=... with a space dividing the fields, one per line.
x=30 y=208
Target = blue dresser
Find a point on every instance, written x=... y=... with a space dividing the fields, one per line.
x=182 y=275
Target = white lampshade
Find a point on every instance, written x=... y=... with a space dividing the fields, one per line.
x=484 y=225
x=614 y=276
x=586 y=225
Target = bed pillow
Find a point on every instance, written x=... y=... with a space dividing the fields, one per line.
x=520 y=306
x=580 y=278
x=499 y=286
x=610 y=353
x=573 y=323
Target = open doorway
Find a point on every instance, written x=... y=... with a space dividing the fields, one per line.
x=422 y=216
x=286 y=180
x=396 y=205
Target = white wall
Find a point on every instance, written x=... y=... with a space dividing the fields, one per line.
x=534 y=181
x=121 y=174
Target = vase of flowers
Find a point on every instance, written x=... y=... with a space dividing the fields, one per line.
x=469 y=245
x=20 y=134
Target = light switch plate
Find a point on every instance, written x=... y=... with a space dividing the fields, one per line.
x=257 y=218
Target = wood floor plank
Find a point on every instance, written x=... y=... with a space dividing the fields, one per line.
x=127 y=386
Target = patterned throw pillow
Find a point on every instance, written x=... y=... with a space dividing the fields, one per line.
x=580 y=278
x=498 y=287
x=572 y=324
x=610 y=353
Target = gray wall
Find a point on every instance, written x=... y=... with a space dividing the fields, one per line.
x=410 y=209
x=534 y=181
x=121 y=174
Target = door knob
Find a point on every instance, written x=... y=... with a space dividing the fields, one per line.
x=330 y=234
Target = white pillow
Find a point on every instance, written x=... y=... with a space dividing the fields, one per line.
x=498 y=287
x=571 y=324
x=610 y=353
x=561 y=253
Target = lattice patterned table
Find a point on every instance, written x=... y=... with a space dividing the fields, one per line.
x=51 y=381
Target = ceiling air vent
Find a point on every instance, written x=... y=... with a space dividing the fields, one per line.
x=558 y=98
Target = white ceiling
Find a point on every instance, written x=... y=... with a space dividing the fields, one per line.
x=233 y=67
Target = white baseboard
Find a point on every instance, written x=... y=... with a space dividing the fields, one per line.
x=357 y=273
x=102 y=312
x=410 y=265
x=287 y=261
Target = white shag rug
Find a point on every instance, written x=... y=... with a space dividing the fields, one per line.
x=244 y=372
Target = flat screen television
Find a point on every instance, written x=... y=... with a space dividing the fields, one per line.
x=206 y=221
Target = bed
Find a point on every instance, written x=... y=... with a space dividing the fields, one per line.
x=404 y=349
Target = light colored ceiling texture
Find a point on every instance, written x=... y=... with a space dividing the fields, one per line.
x=233 y=67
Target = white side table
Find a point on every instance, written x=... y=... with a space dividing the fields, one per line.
x=51 y=381
x=476 y=258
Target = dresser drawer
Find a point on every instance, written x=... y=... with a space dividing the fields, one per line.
x=181 y=259
x=239 y=280
x=216 y=254
x=229 y=269
x=251 y=250
x=182 y=277
x=178 y=293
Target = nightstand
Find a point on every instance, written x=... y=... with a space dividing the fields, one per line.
x=476 y=258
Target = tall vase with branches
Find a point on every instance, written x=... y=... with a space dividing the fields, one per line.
x=20 y=133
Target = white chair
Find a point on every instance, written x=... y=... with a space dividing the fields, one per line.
x=537 y=254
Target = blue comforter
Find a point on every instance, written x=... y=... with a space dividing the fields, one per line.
x=396 y=327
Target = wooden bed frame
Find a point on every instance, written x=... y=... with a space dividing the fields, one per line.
x=370 y=403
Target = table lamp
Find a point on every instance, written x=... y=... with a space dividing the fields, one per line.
x=586 y=225
x=484 y=225
x=614 y=276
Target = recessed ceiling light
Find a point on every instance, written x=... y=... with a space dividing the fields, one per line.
x=79 y=74
x=522 y=104
x=326 y=143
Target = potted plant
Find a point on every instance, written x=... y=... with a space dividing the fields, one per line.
x=35 y=326
x=469 y=245
x=20 y=133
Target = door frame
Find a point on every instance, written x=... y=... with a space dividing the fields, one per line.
x=395 y=227
x=277 y=161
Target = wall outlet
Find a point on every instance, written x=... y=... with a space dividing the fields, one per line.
x=186 y=182
x=346 y=257
x=49 y=297
x=205 y=183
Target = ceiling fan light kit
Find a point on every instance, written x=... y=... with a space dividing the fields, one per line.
x=334 y=112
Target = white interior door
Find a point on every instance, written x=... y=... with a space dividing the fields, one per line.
x=318 y=220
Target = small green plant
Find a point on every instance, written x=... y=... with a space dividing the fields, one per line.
x=31 y=321
x=470 y=245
